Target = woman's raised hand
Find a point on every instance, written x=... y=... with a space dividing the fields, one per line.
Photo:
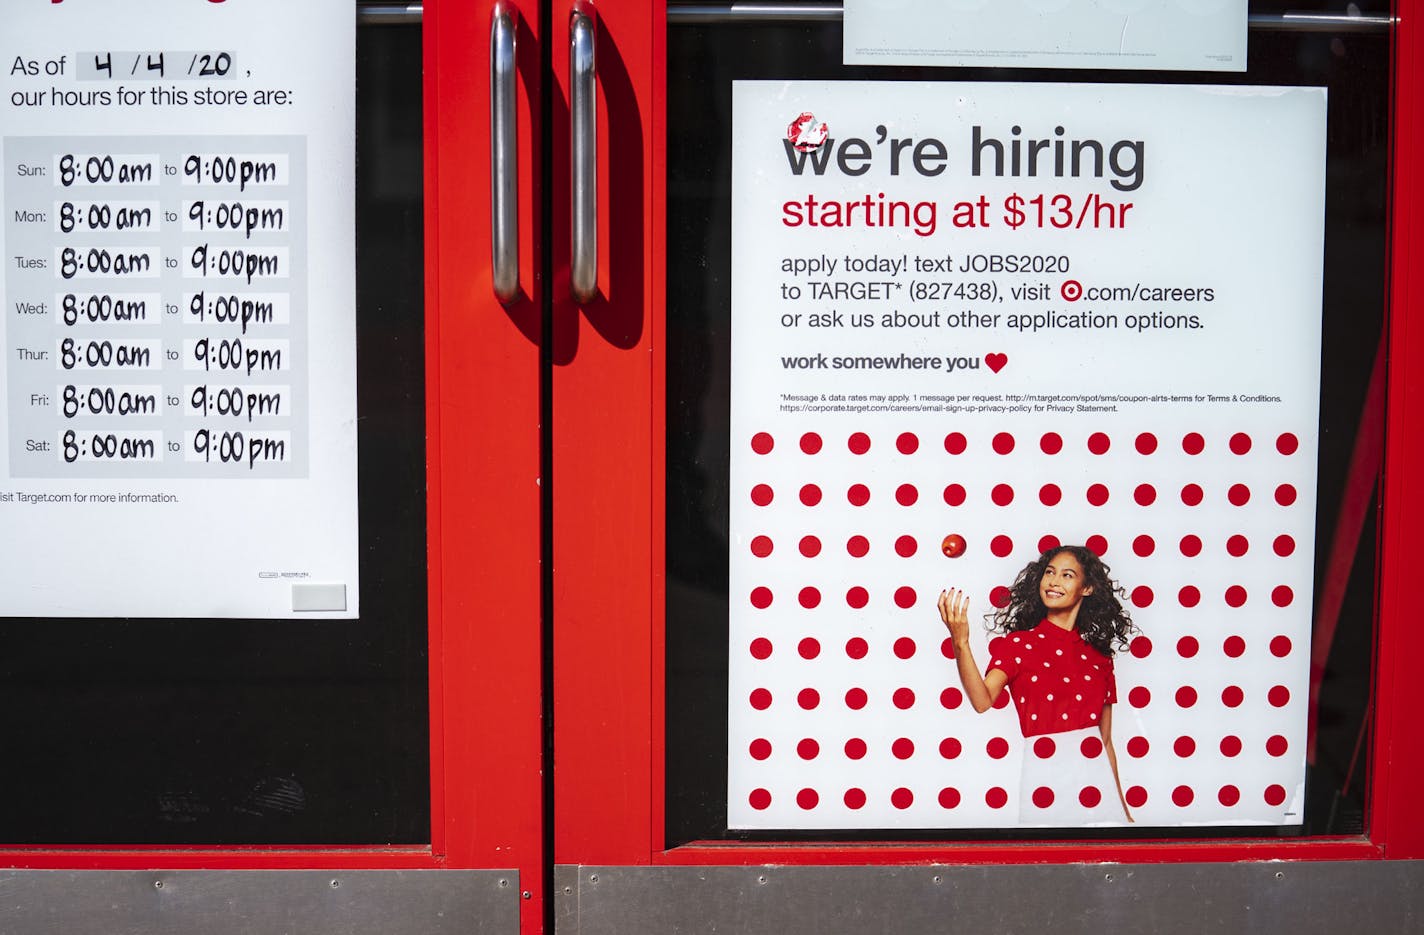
x=954 y=611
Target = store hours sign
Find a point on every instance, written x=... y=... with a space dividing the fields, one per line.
x=178 y=427
x=974 y=323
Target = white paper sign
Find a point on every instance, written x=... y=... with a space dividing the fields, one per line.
x=1191 y=35
x=971 y=323
x=176 y=222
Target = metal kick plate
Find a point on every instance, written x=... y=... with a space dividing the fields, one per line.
x=1091 y=899
x=259 y=902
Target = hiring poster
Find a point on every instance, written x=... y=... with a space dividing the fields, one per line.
x=178 y=427
x=974 y=325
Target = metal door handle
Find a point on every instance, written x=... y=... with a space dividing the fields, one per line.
x=504 y=157
x=583 y=132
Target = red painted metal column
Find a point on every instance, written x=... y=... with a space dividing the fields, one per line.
x=484 y=485
x=607 y=423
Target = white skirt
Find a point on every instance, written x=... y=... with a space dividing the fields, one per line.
x=1066 y=782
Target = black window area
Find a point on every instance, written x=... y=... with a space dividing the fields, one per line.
x=703 y=61
x=130 y=731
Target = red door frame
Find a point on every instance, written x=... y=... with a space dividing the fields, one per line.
x=484 y=507
x=608 y=551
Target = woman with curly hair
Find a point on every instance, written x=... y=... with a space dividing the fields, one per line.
x=1061 y=625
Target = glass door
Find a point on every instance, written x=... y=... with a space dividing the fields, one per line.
x=668 y=706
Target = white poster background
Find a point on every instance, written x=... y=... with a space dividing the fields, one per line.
x=1186 y=450
x=1194 y=35
x=222 y=547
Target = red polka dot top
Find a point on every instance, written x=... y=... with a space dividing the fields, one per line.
x=1057 y=681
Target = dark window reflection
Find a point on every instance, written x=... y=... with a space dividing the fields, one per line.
x=702 y=63
x=264 y=731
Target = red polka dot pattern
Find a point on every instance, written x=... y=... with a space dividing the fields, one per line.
x=835 y=528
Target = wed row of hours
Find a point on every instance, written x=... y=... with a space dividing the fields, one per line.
x=245 y=310
x=254 y=355
x=267 y=216
x=204 y=261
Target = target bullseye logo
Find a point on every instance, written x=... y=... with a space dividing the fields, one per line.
x=805 y=134
x=1072 y=290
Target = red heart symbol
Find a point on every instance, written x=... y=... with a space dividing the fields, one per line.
x=996 y=362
